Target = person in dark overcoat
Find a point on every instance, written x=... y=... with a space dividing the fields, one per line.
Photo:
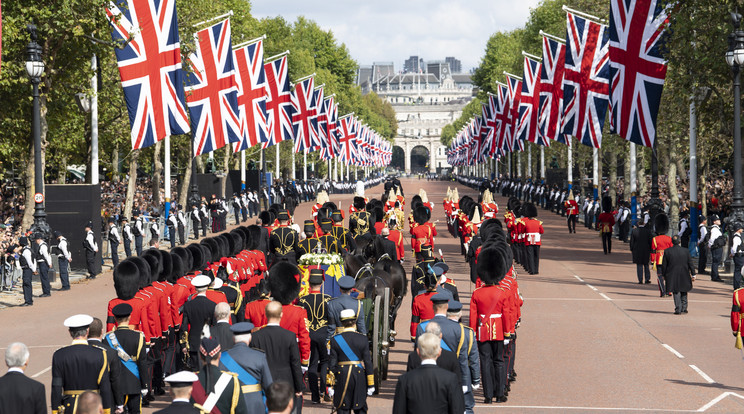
x=679 y=273
x=640 y=247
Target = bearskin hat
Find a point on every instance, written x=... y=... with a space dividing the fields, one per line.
x=252 y=242
x=214 y=249
x=185 y=255
x=205 y=254
x=492 y=265
x=606 y=204
x=154 y=262
x=359 y=203
x=331 y=206
x=513 y=204
x=661 y=224
x=126 y=280
x=197 y=255
x=416 y=199
x=283 y=282
x=224 y=245
x=323 y=212
x=489 y=227
x=379 y=214
x=235 y=241
x=144 y=271
x=420 y=215
x=177 y=269
x=167 y=261
x=265 y=217
x=530 y=210
x=337 y=216
x=157 y=268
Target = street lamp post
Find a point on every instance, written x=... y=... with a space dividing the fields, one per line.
x=35 y=69
x=735 y=59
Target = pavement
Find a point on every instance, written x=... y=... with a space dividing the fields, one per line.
x=591 y=338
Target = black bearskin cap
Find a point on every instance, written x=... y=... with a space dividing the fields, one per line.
x=489 y=227
x=283 y=282
x=238 y=238
x=253 y=241
x=606 y=204
x=126 y=280
x=144 y=271
x=416 y=199
x=197 y=257
x=157 y=268
x=420 y=215
x=323 y=212
x=177 y=268
x=265 y=218
x=359 y=203
x=379 y=214
x=661 y=224
x=530 y=210
x=224 y=245
x=205 y=253
x=492 y=264
x=330 y=205
x=167 y=261
x=186 y=259
x=154 y=262
x=214 y=249
x=513 y=204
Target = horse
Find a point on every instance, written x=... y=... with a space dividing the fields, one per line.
x=375 y=255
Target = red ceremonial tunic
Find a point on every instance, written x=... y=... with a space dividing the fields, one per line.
x=294 y=318
x=422 y=310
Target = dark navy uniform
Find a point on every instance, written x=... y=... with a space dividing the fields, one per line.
x=455 y=339
x=351 y=365
x=343 y=235
x=135 y=376
x=306 y=246
x=283 y=243
x=75 y=369
x=344 y=301
x=253 y=372
x=359 y=223
x=330 y=243
x=230 y=400
x=316 y=306
x=197 y=312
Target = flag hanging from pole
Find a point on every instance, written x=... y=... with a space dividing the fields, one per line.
x=279 y=109
x=551 y=90
x=347 y=134
x=503 y=118
x=252 y=97
x=514 y=86
x=150 y=68
x=586 y=83
x=529 y=104
x=304 y=113
x=637 y=68
x=319 y=133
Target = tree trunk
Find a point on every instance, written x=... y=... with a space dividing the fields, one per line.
x=131 y=184
x=115 y=164
x=641 y=164
x=613 y=177
x=626 y=175
x=225 y=169
x=157 y=175
x=183 y=189
x=199 y=165
x=673 y=192
x=62 y=174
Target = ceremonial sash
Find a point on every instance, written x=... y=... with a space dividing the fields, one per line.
x=244 y=376
x=126 y=360
x=350 y=355
x=442 y=344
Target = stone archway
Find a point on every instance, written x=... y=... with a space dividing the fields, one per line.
x=398 y=160
x=419 y=159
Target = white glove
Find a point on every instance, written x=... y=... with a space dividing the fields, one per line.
x=304 y=369
x=506 y=342
x=143 y=392
x=464 y=389
x=370 y=390
x=331 y=392
x=476 y=387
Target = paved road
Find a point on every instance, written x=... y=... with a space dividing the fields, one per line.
x=591 y=337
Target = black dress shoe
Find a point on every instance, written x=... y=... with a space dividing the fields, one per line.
x=27 y=304
x=65 y=288
x=487 y=400
x=501 y=399
x=45 y=295
x=648 y=282
x=676 y=313
x=640 y=283
x=684 y=311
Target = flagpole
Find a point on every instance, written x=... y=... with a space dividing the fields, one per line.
x=222 y=16
x=304 y=165
x=529 y=161
x=242 y=170
x=570 y=162
x=167 y=176
x=519 y=164
x=275 y=57
x=303 y=78
x=276 y=167
x=531 y=56
x=595 y=166
x=582 y=14
x=633 y=185
x=294 y=166
x=550 y=36
x=542 y=163
x=238 y=46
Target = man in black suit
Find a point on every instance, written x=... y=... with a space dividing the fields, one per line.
x=388 y=246
x=640 y=248
x=197 y=313
x=181 y=384
x=95 y=333
x=19 y=393
x=428 y=388
x=282 y=351
x=679 y=273
x=447 y=359
x=221 y=329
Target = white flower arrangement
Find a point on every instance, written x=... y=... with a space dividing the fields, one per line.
x=310 y=259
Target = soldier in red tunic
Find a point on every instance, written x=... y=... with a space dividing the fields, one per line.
x=658 y=244
x=572 y=212
x=422 y=309
x=606 y=221
x=284 y=284
x=533 y=230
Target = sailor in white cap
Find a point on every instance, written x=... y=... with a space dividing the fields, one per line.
x=197 y=313
x=79 y=367
x=181 y=384
x=350 y=356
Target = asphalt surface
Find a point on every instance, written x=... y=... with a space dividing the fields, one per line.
x=591 y=338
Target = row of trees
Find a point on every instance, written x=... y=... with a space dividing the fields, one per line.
x=695 y=52
x=66 y=29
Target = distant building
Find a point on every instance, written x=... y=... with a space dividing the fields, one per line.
x=439 y=68
x=382 y=70
x=413 y=64
x=454 y=64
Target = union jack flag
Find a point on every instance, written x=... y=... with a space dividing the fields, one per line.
x=150 y=68
x=503 y=115
x=551 y=90
x=488 y=129
x=347 y=133
x=252 y=98
x=637 y=68
x=514 y=86
x=586 y=83
x=320 y=133
x=331 y=147
x=495 y=109
x=279 y=109
x=529 y=105
x=304 y=112
x=212 y=90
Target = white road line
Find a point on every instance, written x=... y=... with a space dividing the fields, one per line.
x=674 y=351
x=718 y=399
x=604 y=296
x=592 y=288
x=544 y=407
x=580 y=279
x=702 y=374
x=41 y=372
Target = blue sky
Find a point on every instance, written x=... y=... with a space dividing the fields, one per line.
x=385 y=30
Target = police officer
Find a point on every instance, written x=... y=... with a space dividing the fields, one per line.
x=181 y=225
x=77 y=368
x=91 y=248
x=129 y=345
x=204 y=218
x=283 y=240
x=29 y=267
x=127 y=236
x=350 y=358
x=114 y=241
x=195 y=220
x=316 y=306
x=172 y=224
x=737 y=252
x=63 y=260
x=716 y=248
x=138 y=231
x=345 y=301
x=250 y=365
x=44 y=260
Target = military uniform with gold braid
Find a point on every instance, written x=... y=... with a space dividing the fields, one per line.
x=351 y=368
x=310 y=244
x=327 y=240
x=316 y=306
x=359 y=221
x=283 y=240
x=341 y=233
x=129 y=345
x=77 y=368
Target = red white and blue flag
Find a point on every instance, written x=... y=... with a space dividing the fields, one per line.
x=150 y=68
x=514 y=86
x=503 y=115
x=279 y=108
x=529 y=104
x=330 y=148
x=637 y=68
x=488 y=129
x=305 y=138
x=551 y=91
x=252 y=97
x=212 y=90
x=347 y=134
x=319 y=133
x=586 y=83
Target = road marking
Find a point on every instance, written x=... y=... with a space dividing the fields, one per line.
x=592 y=288
x=718 y=399
x=42 y=372
x=674 y=351
x=580 y=279
x=604 y=296
x=702 y=374
x=543 y=407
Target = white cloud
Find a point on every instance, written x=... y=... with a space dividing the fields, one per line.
x=387 y=30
